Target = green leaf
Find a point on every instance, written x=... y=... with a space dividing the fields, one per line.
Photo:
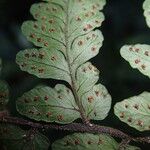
x=82 y=141
x=135 y=111
x=64 y=30
x=138 y=57
x=58 y=104
x=44 y=63
x=97 y=102
x=47 y=104
x=14 y=138
x=4 y=94
x=146 y=7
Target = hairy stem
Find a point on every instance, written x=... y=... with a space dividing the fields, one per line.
x=72 y=73
x=76 y=127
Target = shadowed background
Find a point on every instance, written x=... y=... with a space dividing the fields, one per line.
x=124 y=24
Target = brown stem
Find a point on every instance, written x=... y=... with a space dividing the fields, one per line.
x=76 y=127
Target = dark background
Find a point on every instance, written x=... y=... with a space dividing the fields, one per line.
x=124 y=24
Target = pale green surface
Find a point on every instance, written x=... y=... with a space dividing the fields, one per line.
x=85 y=141
x=51 y=105
x=60 y=23
x=138 y=56
x=146 y=7
x=14 y=138
x=135 y=111
x=4 y=94
x=48 y=32
x=97 y=102
x=58 y=104
x=44 y=63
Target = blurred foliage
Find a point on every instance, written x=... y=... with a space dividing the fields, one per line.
x=124 y=24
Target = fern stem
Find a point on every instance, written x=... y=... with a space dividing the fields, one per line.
x=72 y=74
x=75 y=127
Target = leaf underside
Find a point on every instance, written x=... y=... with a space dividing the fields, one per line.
x=14 y=138
x=82 y=141
x=58 y=105
x=135 y=111
x=146 y=7
x=138 y=56
x=64 y=31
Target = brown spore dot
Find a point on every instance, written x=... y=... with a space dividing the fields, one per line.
x=89 y=26
x=126 y=105
x=85 y=29
x=51 y=21
x=49 y=114
x=36 y=15
x=67 y=143
x=146 y=53
x=35 y=26
x=92 y=13
x=131 y=48
x=60 y=117
x=136 y=106
x=52 y=30
x=26 y=100
x=36 y=98
x=39 y=40
x=88 y=38
x=94 y=7
x=41 y=55
x=33 y=54
x=54 y=9
x=43 y=27
x=60 y=97
x=46 y=44
x=93 y=35
x=90 y=99
x=93 y=49
x=89 y=142
x=84 y=70
x=33 y=67
x=23 y=65
x=78 y=19
x=122 y=115
x=32 y=35
x=100 y=141
x=137 y=61
x=27 y=55
x=90 y=67
x=95 y=114
x=87 y=15
x=41 y=70
x=46 y=98
x=140 y=123
x=130 y=119
x=143 y=67
x=137 y=50
x=77 y=142
x=97 y=93
x=80 y=43
x=97 y=22
x=43 y=18
x=148 y=106
x=53 y=58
